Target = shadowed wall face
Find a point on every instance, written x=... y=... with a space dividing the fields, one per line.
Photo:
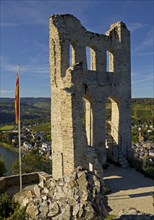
x=102 y=74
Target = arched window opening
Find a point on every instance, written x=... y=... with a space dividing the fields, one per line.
x=91 y=59
x=71 y=55
x=109 y=62
x=88 y=121
x=112 y=121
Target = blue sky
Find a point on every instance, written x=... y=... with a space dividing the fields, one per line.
x=25 y=35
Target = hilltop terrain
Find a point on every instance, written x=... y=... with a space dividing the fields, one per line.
x=32 y=110
x=38 y=109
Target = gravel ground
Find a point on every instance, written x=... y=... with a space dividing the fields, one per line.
x=129 y=189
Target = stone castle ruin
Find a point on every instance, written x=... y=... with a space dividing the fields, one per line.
x=80 y=93
x=83 y=136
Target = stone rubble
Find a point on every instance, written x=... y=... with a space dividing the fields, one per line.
x=78 y=196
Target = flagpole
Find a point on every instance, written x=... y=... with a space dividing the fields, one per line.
x=19 y=133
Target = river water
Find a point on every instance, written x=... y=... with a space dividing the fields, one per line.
x=8 y=157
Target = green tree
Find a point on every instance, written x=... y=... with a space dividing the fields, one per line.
x=19 y=214
x=10 y=210
x=6 y=137
x=6 y=206
x=2 y=168
x=32 y=162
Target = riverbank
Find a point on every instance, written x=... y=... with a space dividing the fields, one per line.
x=8 y=147
x=8 y=156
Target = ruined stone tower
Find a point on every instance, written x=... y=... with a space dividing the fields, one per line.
x=79 y=92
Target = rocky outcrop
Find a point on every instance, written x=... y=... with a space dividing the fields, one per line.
x=78 y=196
x=133 y=214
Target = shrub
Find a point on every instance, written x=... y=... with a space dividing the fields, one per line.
x=10 y=210
x=2 y=168
x=141 y=166
x=107 y=190
x=6 y=206
x=19 y=214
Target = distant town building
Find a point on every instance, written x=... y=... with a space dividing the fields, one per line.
x=46 y=146
x=27 y=145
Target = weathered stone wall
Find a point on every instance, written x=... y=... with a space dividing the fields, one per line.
x=9 y=181
x=27 y=178
x=71 y=81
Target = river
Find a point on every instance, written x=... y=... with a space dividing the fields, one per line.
x=8 y=157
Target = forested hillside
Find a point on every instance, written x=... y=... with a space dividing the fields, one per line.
x=143 y=111
x=32 y=109
x=38 y=110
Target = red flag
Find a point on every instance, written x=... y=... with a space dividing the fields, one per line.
x=17 y=100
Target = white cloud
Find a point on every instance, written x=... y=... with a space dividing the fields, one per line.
x=42 y=71
x=134 y=26
x=29 y=69
x=43 y=47
x=14 y=24
x=144 y=54
x=148 y=42
x=7 y=93
x=143 y=76
x=147 y=79
x=143 y=82
x=15 y=13
x=5 y=65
